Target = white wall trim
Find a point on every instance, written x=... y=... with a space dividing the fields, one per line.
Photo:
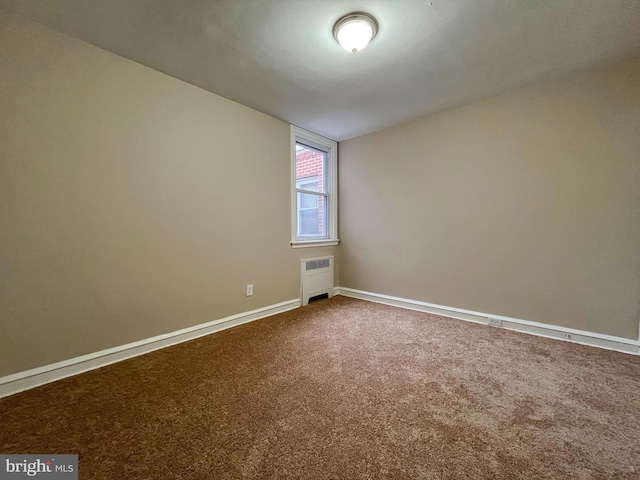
x=317 y=243
x=35 y=377
x=625 y=345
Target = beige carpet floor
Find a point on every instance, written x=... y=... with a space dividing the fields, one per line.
x=344 y=389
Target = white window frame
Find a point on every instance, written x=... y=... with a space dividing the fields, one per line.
x=299 y=135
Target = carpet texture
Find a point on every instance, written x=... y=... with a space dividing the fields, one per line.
x=344 y=389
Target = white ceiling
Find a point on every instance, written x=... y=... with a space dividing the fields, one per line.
x=279 y=56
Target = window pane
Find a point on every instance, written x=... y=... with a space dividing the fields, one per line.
x=310 y=164
x=308 y=201
x=312 y=215
x=308 y=183
x=309 y=222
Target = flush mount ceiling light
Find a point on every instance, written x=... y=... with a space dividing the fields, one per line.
x=354 y=31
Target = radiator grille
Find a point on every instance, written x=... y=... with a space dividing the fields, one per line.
x=316 y=264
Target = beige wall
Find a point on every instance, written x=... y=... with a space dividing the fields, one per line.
x=525 y=205
x=131 y=204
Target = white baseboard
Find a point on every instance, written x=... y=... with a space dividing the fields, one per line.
x=608 y=342
x=35 y=377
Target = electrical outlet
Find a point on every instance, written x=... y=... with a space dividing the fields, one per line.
x=494 y=322
x=249 y=290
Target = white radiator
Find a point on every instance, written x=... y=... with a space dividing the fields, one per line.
x=317 y=277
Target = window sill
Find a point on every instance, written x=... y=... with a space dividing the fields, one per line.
x=314 y=243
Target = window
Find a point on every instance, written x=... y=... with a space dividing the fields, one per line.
x=313 y=196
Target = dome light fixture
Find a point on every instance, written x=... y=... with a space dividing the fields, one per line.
x=355 y=30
